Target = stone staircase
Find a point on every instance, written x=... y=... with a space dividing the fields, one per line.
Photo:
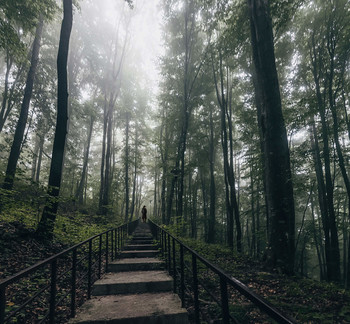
x=135 y=290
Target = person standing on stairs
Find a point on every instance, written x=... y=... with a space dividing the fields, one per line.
x=144 y=214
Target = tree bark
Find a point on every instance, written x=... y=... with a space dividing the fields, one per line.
x=333 y=253
x=224 y=99
x=47 y=222
x=107 y=171
x=332 y=94
x=212 y=221
x=134 y=185
x=80 y=191
x=5 y=94
x=103 y=159
x=279 y=188
x=22 y=120
x=8 y=94
x=127 y=126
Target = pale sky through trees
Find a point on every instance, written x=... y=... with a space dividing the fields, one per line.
x=145 y=33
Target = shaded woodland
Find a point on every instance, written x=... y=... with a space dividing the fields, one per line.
x=237 y=135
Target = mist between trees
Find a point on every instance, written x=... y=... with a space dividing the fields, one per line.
x=227 y=119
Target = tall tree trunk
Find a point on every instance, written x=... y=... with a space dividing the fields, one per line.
x=47 y=222
x=333 y=263
x=227 y=149
x=212 y=221
x=205 y=203
x=252 y=201
x=107 y=172
x=231 y=174
x=35 y=157
x=189 y=80
x=331 y=46
x=156 y=190
x=22 y=120
x=8 y=94
x=135 y=178
x=317 y=238
x=40 y=158
x=80 y=191
x=164 y=158
x=127 y=121
x=163 y=195
x=9 y=63
x=279 y=188
x=322 y=195
x=103 y=159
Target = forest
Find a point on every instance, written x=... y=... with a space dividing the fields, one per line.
x=228 y=119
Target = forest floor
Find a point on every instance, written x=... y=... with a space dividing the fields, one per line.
x=306 y=300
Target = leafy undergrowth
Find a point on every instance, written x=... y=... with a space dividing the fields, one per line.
x=20 y=249
x=305 y=300
x=18 y=245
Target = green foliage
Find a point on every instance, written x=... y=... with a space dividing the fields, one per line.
x=18 y=17
x=71 y=226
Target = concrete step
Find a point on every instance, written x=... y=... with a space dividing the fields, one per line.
x=135 y=247
x=161 y=308
x=142 y=237
x=142 y=231
x=139 y=254
x=141 y=241
x=136 y=264
x=132 y=282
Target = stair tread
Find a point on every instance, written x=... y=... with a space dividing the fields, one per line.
x=130 y=307
x=130 y=251
x=137 y=245
x=112 y=278
x=138 y=292
x=136 y=260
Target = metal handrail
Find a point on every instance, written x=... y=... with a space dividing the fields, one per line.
x=226 y=279
x=108 y=244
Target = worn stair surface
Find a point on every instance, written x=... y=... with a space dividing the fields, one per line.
x=135 y=290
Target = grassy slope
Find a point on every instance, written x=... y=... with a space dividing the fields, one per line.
x=18 y=246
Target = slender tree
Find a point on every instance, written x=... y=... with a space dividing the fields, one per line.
x=80 y=190
x=47 y=222
x=22 y=120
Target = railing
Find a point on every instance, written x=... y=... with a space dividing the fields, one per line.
x=195 y=279
x=50 y=291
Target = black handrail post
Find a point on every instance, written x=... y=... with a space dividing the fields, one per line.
x=123 y=235
x=224 y=301
x=53 y=291
x=161 y=240
x=107 y=251
x=118 y=238
x=195 y=288
x=166 y=251
x=100 y=257
x=182 y=278
x=2 y=304
x=89 y=269
x=115 y=243
x=169 y=254
x=174 y=265
x=112 y=245
x=74 y=279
